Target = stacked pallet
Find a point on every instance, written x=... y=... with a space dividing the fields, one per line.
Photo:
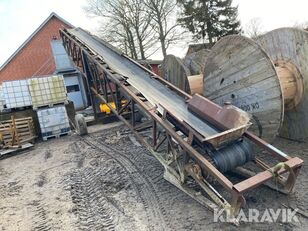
x=47 y=95
x=15 y=132
x=48 y=99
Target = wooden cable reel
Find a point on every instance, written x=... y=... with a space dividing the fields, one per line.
x=195 y=61
x=265 y=78
x=186 y=74
x=288 y=49
x=175 y=72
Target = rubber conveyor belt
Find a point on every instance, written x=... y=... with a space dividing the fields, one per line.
x=154 y=91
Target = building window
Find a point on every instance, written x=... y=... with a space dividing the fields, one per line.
x=72 y=88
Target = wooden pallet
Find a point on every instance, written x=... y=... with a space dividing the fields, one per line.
x=15 y=132
x=14 y=150
x=45 y=138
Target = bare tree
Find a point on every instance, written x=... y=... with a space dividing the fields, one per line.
x=126 y=24
x=254 y=28
x=115 y=33
x=164 y=22
x=141 y=22
x=301 y=25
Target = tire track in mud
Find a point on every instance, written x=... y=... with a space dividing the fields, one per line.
x=92 y=206
x=152 y=173
x=174 y=203
x=156 y=213
x=40 y=219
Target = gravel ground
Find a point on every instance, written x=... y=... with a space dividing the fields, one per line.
x=106 y=181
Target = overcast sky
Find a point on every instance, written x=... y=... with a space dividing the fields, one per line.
x=19 y=18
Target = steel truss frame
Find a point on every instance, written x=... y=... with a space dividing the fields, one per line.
x=183 y=157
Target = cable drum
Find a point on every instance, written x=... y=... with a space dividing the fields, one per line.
x=195 y=61
x=232 y=156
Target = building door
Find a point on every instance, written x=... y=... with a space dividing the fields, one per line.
x=74 y=91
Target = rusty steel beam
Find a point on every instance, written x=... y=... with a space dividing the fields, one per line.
x=252 y=182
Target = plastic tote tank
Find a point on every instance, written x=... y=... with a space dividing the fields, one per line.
x=47 y=91
x=16 y=94
x=53 y=121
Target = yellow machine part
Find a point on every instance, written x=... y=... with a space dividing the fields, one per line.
x=105 y=109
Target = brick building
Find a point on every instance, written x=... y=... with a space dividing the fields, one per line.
x=34 y=57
